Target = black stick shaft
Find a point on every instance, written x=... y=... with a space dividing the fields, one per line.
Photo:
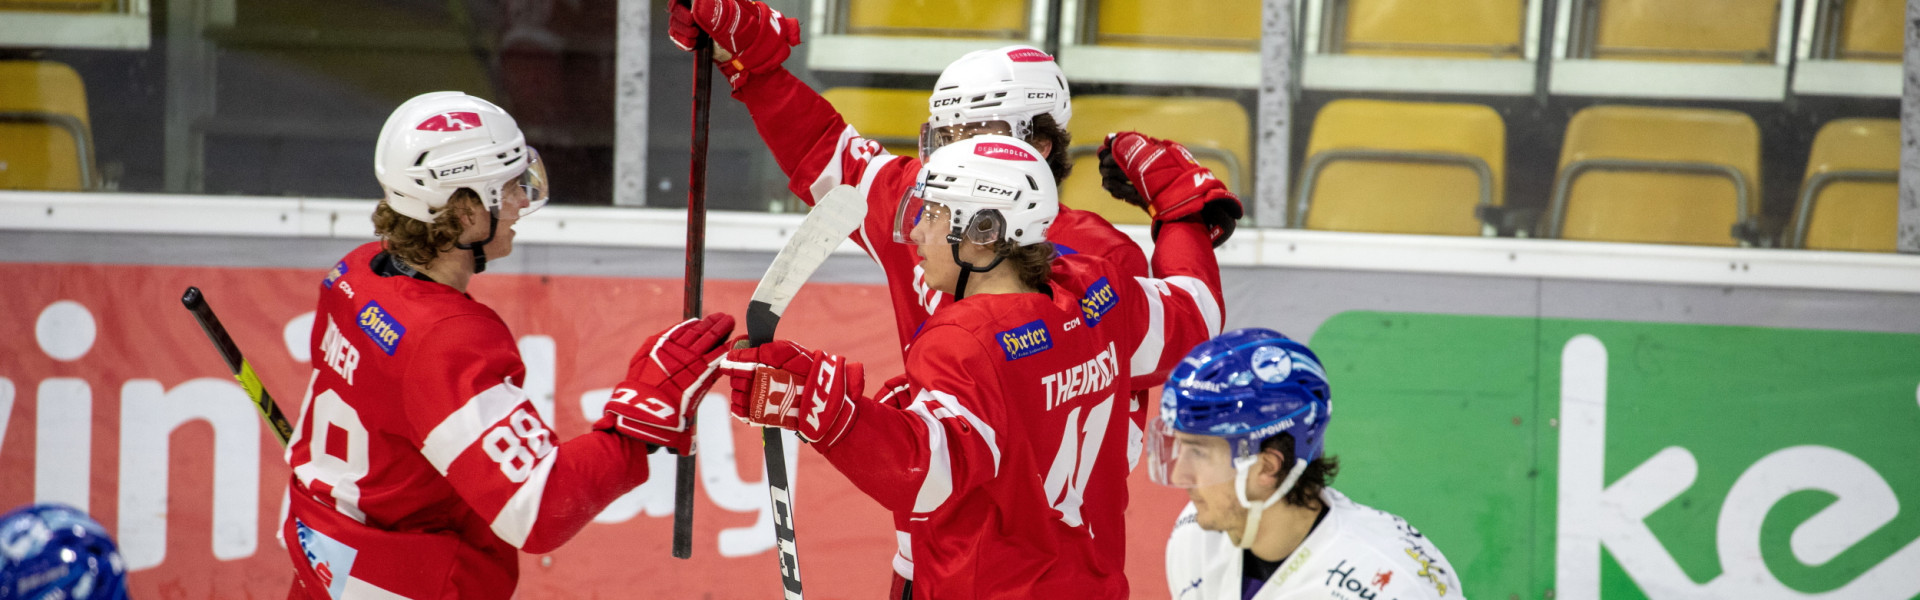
x=696 y=258
x=237 y=364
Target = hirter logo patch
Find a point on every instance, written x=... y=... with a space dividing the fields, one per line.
x=1099 y=300
x=1026 y=340
x=385 y=331
x=451 y=121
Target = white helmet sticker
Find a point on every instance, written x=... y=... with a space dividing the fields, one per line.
x=1272 y=364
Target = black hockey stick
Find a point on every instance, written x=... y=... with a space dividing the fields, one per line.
x=696 y=257
x=197 y=304
x=833 y=218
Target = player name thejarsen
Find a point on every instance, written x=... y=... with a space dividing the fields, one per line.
x=1089 y=377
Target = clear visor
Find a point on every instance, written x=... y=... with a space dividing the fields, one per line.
x=915 y=213
x=932 y=138
x=532 y=183
x=1186 y=460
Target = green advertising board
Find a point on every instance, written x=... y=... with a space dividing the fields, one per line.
x=1571 y=460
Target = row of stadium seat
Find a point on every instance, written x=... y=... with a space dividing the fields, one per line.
x=1626 y=174
x=1733 y=31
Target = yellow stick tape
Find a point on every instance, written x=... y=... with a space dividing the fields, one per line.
x=252 y=384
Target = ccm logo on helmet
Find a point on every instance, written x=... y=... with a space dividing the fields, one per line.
x=1002 y=151
x=452 y=121
x=988 y=190
x=939 y=102
x=1029 y=55
x=459 y=169
x=1040 y=95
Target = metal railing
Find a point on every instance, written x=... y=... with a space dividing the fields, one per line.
x=82 y=140
x=1803 y=213
x=1557 y=208
x=1310 y=176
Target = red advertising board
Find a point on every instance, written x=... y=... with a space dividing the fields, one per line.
x=111 y=398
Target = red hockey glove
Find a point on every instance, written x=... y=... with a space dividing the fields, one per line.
x=665 y=381
x=1162 y=177
x=749 y=37
x=785 y=385
x=896 y=393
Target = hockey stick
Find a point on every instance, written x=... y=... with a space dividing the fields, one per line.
x=696 y=256
x=833 y=218
x=197 y=304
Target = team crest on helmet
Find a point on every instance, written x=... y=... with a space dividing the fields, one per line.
x=1029 y=55
x=450 y=121
x=1272 y=364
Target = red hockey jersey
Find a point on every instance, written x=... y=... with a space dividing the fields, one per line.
x=420 y=468
x=818 y=150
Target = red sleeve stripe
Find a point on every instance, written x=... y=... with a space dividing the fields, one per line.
x=516 y=518
x=465 y=426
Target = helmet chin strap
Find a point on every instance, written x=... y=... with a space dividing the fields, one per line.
x=1245 y=472
x=967 y=268
x=479 y=248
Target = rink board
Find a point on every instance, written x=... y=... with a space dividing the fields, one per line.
x=1731 y=418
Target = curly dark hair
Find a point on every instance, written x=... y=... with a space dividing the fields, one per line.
x=417 y=243
x=1045 y=128
x=1033 y=264
x=1317 y=476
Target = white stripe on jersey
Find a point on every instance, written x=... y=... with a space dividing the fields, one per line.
x=357 y=588
x=1146 y=358
x=939 y=482
x=1209 y=310
x=903 y=560
x=516 y=518
x=938 y=485
x=465 y=426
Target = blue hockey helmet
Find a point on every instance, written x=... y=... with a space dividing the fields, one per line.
x=1245 y=386
x=54 y=551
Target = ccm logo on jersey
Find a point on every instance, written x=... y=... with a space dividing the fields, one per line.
x=1089 y=377
x=1002 y=151
x=1026 y=340
x=385 y=331
x=1100 y=298
x=338 y=352
x=339 y=269
x=988 y=190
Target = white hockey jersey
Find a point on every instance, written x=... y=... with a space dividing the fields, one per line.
x=1356 y=553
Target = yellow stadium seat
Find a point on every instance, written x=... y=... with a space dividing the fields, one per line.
x=1873 y=30
x=1402 y=167
x=1736 y=31
x=45 y=137
x=58 y=5
x=991 y=19
x=1216 y=130
x=1451 y=29
x=1656 y=175
x=1851 y=197
x=891 y=117
x=1213 y=25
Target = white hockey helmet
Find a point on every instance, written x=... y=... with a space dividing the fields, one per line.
x=440 y=142
x=995 y=91
x=988 y=187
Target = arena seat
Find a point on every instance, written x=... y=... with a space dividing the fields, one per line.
x=1218 y=25
x=1727 y=31
x=46 y=140
x=1402 y=167
x=1872 y=30
x=1657 y=175
x=1423 y=28
x=891 y=117
x=990 y=19
x=1851 y=197
x=1216 y=130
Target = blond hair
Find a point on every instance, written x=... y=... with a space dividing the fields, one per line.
x=418 y=243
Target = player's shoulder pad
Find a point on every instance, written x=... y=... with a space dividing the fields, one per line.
x=1377 y=554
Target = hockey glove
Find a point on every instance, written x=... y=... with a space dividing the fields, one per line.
x=785 y=385
x=665 y=381
x=896 y=393
x=749 y=38
x=1163 y=178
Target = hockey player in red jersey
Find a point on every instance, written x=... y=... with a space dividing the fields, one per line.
x=1015 y=90
x=1005 y=454
x=420 y=467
